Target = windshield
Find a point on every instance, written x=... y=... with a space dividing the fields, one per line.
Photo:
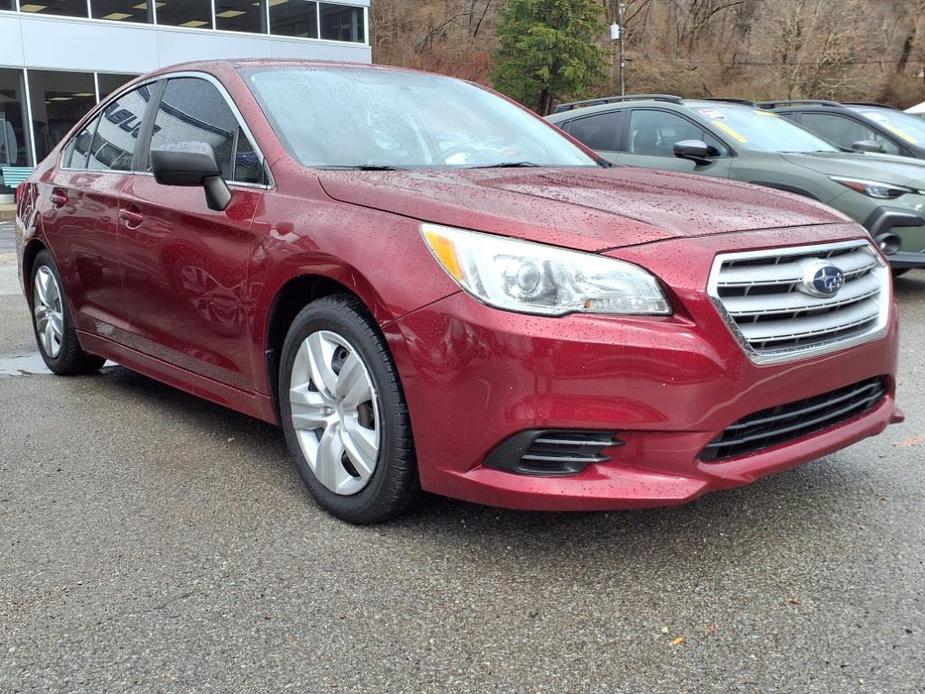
x=761 y=130
x=904 y=126
x=371 y=118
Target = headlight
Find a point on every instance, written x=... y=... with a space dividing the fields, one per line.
x=874 y=189
x=534 y=278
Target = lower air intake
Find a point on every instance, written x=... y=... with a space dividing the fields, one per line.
x=549 y=452
x=784 y=423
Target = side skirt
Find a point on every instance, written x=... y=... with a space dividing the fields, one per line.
x=252 y=404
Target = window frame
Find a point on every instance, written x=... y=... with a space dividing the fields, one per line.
x=157 y=85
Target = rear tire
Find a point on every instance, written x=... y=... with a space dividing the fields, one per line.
x=344 y=414
x=53 y=323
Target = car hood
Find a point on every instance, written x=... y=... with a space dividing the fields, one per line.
x=586 y=209
x=874 y=167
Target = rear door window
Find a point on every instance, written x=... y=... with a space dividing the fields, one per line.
x=113 y=144
x=194 y=110
x=601 y=131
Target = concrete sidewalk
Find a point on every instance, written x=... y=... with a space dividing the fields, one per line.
x=7 y=212
x=9 y=282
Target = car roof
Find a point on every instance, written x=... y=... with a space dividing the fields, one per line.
x=222 y=66
x=680 y=104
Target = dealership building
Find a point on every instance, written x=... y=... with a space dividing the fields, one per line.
x=60 y=57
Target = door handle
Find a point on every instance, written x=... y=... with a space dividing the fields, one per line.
x=131 y=219
x=58 y=198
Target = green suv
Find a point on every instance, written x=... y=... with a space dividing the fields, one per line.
x=735 y=139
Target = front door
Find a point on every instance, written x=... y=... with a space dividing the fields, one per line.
x=651 y=136
x=185 y=265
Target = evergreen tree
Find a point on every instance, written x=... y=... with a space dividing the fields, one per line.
x=548 y=49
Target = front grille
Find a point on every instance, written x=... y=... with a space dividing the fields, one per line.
x=763 y=295
x=552 y=451
x=784 y=423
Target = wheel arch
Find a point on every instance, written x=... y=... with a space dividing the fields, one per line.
x=31 y=250
x=295 y=293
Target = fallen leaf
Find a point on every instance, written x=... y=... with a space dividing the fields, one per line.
x=678 y=641
x=912 y=441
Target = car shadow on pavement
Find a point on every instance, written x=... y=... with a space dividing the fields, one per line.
x=910 y=286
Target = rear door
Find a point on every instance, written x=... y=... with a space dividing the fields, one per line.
x=82 y=225
x=186 y=265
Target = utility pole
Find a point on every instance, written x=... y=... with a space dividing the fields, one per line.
x=621 y=8
x=618 y=33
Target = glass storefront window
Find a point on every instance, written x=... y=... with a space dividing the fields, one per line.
x=294 y=18
x=108 y=83
x=63 y=8
x=342 y=23
x=14 y=133
x=8 y=5
x=122 y=10
x=196 y=14
x=241 y=15
x=58 y=100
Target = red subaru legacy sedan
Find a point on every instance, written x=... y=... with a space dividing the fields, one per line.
x=429 y=288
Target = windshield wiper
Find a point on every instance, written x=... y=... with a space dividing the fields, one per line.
x=365 y=167
x=506 y=165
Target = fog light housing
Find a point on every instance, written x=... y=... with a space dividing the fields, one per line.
x=889 y=243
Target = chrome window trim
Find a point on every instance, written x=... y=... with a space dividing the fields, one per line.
x=822 y=348
x=242 y=123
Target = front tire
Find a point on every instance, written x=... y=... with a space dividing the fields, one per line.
x=54 y=325
x=344 y=414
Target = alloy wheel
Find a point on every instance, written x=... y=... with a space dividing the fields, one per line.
x=48 y=311
x=335 y=412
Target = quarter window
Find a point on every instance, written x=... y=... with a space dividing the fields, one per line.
x=120 y=123
x=194 y=110
x=78 y=149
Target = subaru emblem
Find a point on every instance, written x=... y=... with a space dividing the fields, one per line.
x=822 y=279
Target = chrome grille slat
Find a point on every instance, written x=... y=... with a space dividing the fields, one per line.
x=762 y=296
x=857 y=263
x=798 y=327
x=763 y=305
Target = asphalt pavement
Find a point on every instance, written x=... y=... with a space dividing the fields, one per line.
x=7 y=245
x=150 y=541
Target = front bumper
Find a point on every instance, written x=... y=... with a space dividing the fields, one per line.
x=475 y=376
x=907 y=229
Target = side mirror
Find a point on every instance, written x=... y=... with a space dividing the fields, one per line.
x=191 y=164
x=866 y=146
x=695 y=150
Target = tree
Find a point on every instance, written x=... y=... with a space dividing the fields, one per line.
x=548 y=49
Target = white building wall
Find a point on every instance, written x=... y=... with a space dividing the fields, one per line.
x=92 y=45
